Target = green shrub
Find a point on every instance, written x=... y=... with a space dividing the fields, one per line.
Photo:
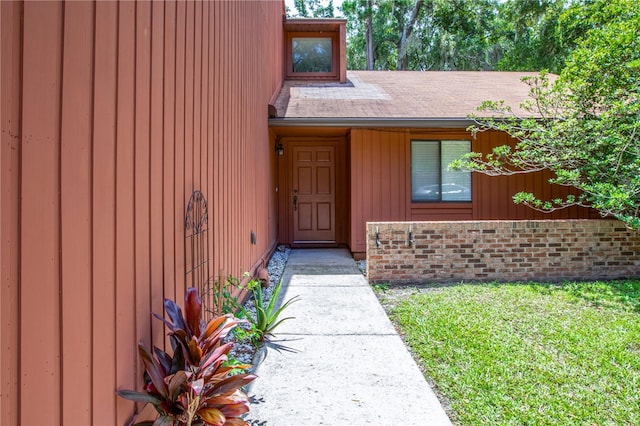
x=266 y=318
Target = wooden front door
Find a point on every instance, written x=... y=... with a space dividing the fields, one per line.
x=313 y=195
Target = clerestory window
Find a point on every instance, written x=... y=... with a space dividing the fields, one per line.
x=313 y=55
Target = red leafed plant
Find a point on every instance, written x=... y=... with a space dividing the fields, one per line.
x=194 y=386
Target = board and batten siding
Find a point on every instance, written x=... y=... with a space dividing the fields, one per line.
x=381 y=184
x=378 y=183
x=112 y=114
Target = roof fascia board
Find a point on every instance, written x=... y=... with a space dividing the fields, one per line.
x=315 y=21
x=453 y=123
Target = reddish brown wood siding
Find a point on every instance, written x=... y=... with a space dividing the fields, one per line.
x=492 y=196
x=10 y=152
x=112 y=114
x=378 y=183
x=381 y=184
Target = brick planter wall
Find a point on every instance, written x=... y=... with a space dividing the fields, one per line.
x=541 y=250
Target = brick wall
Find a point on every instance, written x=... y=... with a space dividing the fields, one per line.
x=541 y=250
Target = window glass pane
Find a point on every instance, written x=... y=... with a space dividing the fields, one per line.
x=425 y=171
x=312 y=54
x=456 y=186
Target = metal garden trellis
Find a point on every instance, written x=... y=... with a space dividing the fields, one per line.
x=196 y=253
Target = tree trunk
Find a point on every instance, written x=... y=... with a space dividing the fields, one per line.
x=369 y=36
x=405 y=33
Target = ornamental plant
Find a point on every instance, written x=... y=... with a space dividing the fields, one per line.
x=266 y=318
x=195 y=385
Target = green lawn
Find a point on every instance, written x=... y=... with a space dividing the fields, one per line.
x=530 y=354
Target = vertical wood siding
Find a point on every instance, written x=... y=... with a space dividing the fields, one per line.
x=378 y=184
x=10 y=152
x=112 y=114
x=381 y=184
x=40 y=243
x=492 y=196
x=103 y=333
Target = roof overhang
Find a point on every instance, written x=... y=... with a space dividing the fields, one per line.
x=416 y=123
x=314 y=24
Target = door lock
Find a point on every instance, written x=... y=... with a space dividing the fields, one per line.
x=295 y=199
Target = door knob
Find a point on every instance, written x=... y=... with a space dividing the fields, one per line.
x=295 y=200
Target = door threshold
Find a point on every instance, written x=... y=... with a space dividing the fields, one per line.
x=315 y=244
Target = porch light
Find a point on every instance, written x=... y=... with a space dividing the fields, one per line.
x=279 y=148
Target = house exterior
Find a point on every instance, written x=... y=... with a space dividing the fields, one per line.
x=114 y=113
x=362 y=163
x=392 y=135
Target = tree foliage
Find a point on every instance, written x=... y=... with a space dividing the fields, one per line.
x=521 y=35
x=313 y=9
x=587 y=125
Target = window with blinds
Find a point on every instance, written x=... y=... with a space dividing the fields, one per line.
x=431 y=179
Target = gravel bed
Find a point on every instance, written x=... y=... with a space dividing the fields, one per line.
x=244 y=351
x=362 y=265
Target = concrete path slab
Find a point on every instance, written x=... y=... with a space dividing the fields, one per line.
x=331 y=309
x=327 y=256
x=319 y=279
x=348 y=365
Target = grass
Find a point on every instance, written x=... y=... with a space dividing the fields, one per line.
x=530 y=354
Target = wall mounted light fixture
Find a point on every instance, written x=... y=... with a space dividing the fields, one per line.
x=279 y=148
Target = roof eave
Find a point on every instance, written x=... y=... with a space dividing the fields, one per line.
x=453 y=123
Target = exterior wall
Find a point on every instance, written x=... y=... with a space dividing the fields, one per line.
x=546 y=250
x=381 y=184
x=378 y=181
x=112 y=114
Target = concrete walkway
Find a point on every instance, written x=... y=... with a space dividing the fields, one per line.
x=351 y=367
